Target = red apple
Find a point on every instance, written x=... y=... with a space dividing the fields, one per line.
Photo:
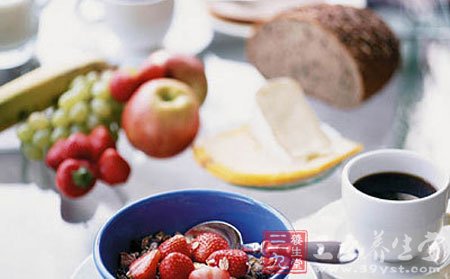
x=151 y=70
x=162 y=117
x=188 y=69
x=123 y=84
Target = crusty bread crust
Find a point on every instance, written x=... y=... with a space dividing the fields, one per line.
x=365 y=36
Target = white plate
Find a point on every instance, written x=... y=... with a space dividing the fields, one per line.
x=245 y=30
x=329 y=223
x=240 y=30
x=87 y=270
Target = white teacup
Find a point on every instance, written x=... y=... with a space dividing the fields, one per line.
x=391 y=230
x=138 y=24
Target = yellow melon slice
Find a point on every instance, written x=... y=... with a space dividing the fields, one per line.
x=239 y=158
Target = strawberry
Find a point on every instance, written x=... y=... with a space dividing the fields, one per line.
x=177 y=243
x=123 y=85
x=112 y=167
x=56 y=154
x=101 y=139
x=74 y=178
x=209 y=273
x=205 y=244
x=145 y=266
x=232 y=260
x=270 y=265
x=176 y=266
x=78 y=146
x=150 y=70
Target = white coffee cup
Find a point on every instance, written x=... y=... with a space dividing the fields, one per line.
x=394 y=230
x=138 y=24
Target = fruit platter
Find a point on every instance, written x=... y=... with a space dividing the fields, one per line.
x=135 y=141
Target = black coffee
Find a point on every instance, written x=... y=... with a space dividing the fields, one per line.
x=394 y=186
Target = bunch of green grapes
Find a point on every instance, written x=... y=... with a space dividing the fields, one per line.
x=87 y=104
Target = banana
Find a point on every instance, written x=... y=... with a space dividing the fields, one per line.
x=40 y=89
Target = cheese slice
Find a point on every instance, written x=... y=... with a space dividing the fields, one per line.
x=292 y=122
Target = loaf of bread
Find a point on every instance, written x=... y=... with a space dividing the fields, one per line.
x=342 y=55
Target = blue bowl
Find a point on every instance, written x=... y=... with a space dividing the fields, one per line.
x=177 y=212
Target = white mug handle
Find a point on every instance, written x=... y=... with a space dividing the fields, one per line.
x=79 y=13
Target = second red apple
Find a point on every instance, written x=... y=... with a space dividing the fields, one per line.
x=123 y=84
x=186 y=68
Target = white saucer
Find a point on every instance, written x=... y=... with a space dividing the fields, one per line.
x=329 y=224
x=87 y=269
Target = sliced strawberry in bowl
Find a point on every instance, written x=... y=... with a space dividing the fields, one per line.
x=209 y=273
x=205 y=244
x=232 y=260
x=145 y=266
x=176 y=243
x=176 y=266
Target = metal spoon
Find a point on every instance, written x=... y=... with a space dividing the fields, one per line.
x=331 y=252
